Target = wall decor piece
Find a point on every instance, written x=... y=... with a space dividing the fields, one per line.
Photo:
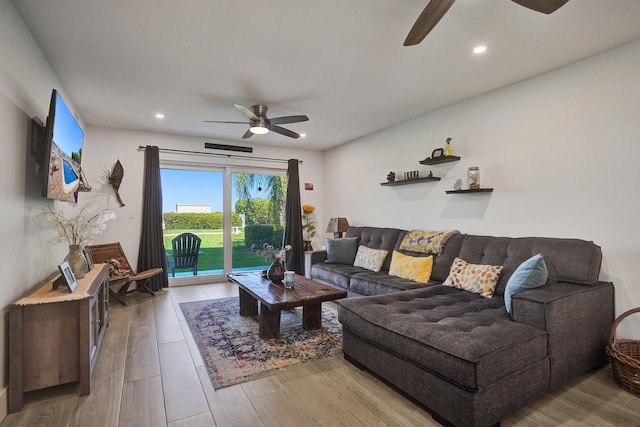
x=308 y=186
x=114 y=178
x=473 y=177
x=411 y=175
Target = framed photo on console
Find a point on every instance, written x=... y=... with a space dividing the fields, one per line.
x=66 y=277
x=87 y=256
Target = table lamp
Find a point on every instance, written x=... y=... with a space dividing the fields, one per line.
x=337 y=226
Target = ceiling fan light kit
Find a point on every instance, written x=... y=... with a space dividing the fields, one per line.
x=436 y=9
x=260 y=124
x=259 y=130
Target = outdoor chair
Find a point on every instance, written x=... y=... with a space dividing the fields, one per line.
x=120 y=271
x=186 y=248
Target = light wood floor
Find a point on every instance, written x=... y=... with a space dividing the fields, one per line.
x=149 y=373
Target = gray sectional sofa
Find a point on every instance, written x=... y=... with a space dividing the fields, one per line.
x=462 y=356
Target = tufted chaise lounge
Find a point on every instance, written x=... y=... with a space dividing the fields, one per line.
x=463 y=356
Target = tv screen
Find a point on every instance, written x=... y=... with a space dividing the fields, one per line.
x=63 y=151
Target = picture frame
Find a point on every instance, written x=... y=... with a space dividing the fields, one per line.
x=87 y=256
x=66 y=277
x=438 y=152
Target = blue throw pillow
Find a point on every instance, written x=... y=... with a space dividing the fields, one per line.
x=530 y=274
x=342 y=251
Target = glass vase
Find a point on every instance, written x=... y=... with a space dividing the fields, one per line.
x=77 y=261
x=473 y=174
x=275 y=273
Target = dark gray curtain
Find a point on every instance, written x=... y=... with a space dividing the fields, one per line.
x=151 y=253
x=293 y=220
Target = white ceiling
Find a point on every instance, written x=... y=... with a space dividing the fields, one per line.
x=340 y=62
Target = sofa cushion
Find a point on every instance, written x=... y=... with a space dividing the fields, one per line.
x=530 y=274
x=342 y=251
x=371 y=259
x=372 y=283
x=477 y=278
x=337 y=275
x=412 y=268
x=377 y=238
x=568 y=260
x=460 y=336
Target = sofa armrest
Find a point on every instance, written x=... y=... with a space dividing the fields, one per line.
x=313 y=257
x=577 y=318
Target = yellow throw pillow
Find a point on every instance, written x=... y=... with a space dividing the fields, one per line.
x=411 y=267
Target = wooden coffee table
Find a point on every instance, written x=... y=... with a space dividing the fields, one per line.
x=273 y=298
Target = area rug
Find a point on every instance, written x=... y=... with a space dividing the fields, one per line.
x=233 y=352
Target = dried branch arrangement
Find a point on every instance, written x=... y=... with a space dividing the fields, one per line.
x=113 y=178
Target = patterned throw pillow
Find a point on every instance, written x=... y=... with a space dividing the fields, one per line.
x=476 y=278
x=371 y=259
x=410 y=267
x=119 y=268
x=426 y=241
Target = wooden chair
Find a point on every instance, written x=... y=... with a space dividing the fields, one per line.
x=121 y=272
x=186 y=248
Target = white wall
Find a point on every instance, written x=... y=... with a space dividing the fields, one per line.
x=26 y=256
x=561 y=150
x=103 y=146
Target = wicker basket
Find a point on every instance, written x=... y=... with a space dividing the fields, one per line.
x=625 y=357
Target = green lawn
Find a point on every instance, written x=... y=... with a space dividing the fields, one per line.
x=211 y=247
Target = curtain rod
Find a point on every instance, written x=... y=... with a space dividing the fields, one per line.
x=229 y=156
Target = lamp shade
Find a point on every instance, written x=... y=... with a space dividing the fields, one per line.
x=337 y=226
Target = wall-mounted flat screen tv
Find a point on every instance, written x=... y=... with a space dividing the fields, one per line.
x=63 y=152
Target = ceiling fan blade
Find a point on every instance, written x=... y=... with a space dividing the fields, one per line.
x=216 y=121
x=247 y=134
x=283 y=131
x=244 y=110
x=288 y=119
x=428 y=19
x=543 y=6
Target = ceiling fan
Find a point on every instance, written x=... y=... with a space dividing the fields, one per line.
x=436 y=9
x=259 y=123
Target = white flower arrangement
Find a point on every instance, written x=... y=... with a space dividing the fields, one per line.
x=78 y=229
x=271 y=254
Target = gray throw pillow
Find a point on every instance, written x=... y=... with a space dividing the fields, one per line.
x=342 y=251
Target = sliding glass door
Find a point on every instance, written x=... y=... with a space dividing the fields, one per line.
x=193 y=202
x=230 y=210
x=259 y=199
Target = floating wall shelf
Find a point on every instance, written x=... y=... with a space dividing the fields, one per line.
x=410 y=181
x=441 y=159
x=476 y=190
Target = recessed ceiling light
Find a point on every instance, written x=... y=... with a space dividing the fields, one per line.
x=479 y=49
x=159 y=116
x=302 y=135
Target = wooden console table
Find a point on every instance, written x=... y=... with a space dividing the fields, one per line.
x=55 y=335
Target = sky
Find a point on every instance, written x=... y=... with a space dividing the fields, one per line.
x=67 y=134
x=194 y=188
